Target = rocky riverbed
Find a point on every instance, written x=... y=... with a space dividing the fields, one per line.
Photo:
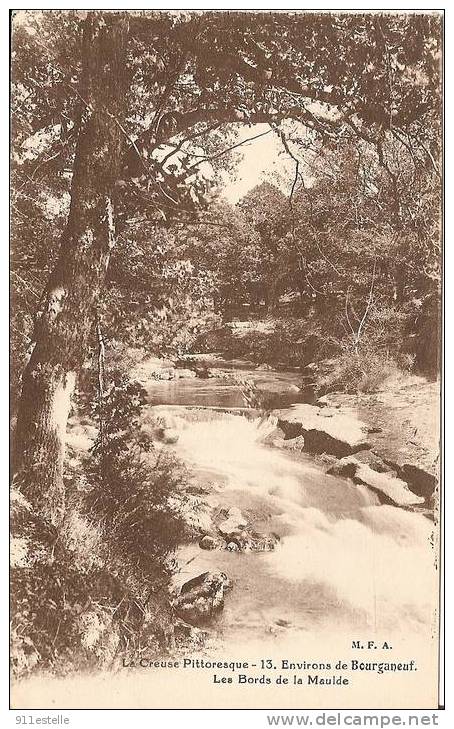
x=308 y=514
x=388 y=440
x=281 y=501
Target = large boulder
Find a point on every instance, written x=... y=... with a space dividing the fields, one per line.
x=347 y=465
x=421 y=481
x=367 y=468
x=390 y=488
x=325 y=430
x=202 y=597
x=403 y=428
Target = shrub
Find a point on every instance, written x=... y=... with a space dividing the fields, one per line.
x=134 y=491
x=139 y=502
x=362 y=372
x=382 y=350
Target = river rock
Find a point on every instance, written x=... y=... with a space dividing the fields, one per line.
x=325 y=430
x=348 y=465
x=325 y=401
x=392 y=489
x=152 y=368
x=192 y=638
x=403 y=428
x=185 y=374
x=275 y=438
x=239 y=539
x=294 y=444
x=421 y=478
x=263 y=542
x=209 y=542
x=372 y=459
x=202 y=597
x=201 y=372
x=377 y=476
x=345 y=466
x=244 y=541
x=235 y=513
x=168 y=374
x=421 y=482
x=283 y=623
x=233 y=547
x=214 y=373
x=233 y=523
x=264 y=367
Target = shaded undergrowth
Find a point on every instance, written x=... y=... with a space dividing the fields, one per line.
x=96 y=586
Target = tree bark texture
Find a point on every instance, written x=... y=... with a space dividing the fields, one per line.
x=66 y=311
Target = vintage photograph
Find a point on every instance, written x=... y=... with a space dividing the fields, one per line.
x=225 y=358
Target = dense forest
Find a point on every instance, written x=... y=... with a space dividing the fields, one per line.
x=126 y=129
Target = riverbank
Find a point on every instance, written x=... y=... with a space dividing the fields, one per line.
x=388 y=439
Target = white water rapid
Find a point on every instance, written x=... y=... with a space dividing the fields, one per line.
x=344 y=562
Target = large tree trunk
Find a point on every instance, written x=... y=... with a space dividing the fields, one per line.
x=65 y=317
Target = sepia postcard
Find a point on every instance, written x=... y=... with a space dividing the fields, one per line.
x=226 y=371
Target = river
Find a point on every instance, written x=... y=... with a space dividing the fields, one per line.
x=345 y=564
